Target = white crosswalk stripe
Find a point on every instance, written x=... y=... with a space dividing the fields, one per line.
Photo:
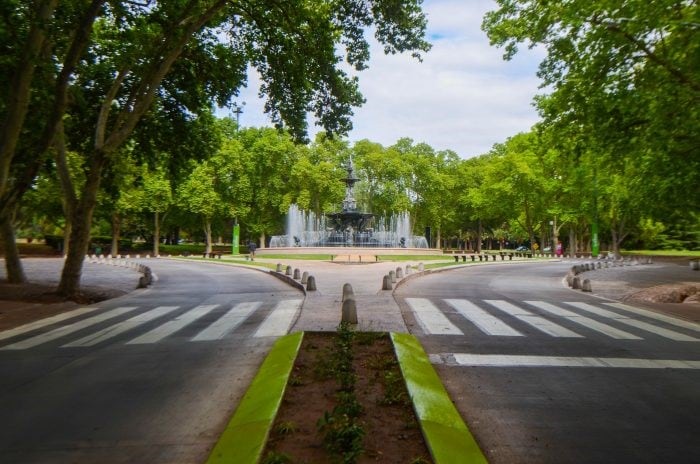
x=584 y=321
x=657 y=316
x=660 y=331
x=500 y=360
x=431 y=319
x=277 y=323
x=280 y=320
x=45 y=322
x=118 y=329
x=68 y=329
x=538 y=322
x=228 y=322
x=488 y=324
x=172 y=326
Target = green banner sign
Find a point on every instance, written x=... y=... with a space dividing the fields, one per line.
x=595 y=244
x=236 y=239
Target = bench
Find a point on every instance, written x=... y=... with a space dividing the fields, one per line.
x=213 y=254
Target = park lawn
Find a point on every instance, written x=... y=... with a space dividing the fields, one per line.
x=673 y=253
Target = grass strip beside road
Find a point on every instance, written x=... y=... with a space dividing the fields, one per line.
x=244 y=438
x=446 y=434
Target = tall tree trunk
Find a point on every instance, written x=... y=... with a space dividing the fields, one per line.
x=156 y=234
x=573 y=244
x=13 y=264
x=81 y=221
x=479 y=231
x=67 y=230
x=438 y=239
x=207 y=235
x=263 y=239
x=116 y=229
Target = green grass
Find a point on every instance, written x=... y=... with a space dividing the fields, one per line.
x=678 y=253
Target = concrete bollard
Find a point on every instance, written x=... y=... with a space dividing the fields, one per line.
x=695 y=265
x=304 y=277
x=399 y=273
x=143 y=282
x=598 y=265
x=386 y=283
x=409 y=269
x=421 y=267
x=348 y=292
x=288 y=271
x=311 y=284
x=349 y=311
x=576 y=283
x=569 y=279
x=392 y=276
x=586 y=286
x=279 y=267
x=297 y=274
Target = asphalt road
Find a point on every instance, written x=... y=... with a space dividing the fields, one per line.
x=545 y=374
x=150 y=377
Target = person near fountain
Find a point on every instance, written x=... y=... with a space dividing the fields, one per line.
x=251 y=250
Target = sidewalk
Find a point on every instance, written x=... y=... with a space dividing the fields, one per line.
x=376 y=308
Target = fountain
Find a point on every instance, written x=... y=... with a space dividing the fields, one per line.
x=347 y=228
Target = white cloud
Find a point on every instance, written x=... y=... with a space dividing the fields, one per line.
x=462 y=97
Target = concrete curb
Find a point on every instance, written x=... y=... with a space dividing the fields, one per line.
x=447 y=437
x=244 y=438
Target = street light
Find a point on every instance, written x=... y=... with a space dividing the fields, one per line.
x=237 y=110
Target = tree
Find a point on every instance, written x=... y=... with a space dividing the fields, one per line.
x=171 y=52
x=198 y=195
x=624 y=80
x=268 y=159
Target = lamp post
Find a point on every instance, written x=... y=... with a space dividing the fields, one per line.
x=237 y=110
x=236 y=235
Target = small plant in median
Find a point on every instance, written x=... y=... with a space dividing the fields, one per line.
x=342 y=431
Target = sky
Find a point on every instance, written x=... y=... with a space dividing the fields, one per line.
x=463 y=96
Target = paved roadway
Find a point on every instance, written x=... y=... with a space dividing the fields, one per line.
x=149 y=377
x=544 y=374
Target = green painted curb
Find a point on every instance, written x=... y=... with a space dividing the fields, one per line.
x=244 y=437
x=446 y=434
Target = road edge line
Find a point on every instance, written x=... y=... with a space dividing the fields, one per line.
x=447 y=436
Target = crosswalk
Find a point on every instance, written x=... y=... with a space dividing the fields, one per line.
x=210 y=321
x=567 y=320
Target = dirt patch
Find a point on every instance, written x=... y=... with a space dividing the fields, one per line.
x=24 y=303
x=683 y=292
x=391 y=433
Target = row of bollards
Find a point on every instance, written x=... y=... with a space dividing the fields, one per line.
x=296 y=274
x=577 y=282
x=392 y=277
x=123 y=261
